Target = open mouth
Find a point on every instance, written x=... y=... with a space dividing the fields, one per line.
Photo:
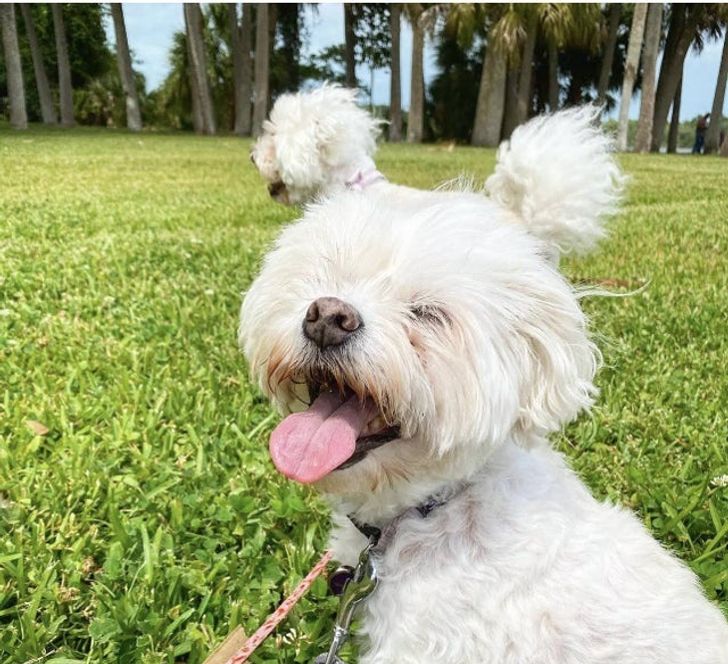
x=338 y=430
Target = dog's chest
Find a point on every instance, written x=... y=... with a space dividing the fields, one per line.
x=452 y=592
x=436 y=581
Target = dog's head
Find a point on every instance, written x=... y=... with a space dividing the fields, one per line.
x=312 y=143
x=411 y=346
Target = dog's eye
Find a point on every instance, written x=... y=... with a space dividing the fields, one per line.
x=430 y=314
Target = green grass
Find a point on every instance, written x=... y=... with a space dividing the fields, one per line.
x=148 y=522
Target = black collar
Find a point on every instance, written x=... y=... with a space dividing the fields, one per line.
x=374 y=533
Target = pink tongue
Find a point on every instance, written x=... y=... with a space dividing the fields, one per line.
x=307 y=446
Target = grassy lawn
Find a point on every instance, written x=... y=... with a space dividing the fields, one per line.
x=140 y=517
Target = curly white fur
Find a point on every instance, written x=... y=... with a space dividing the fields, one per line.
x=557 y=175
x=475 y=344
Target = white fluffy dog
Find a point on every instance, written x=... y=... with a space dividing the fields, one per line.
x=426 y=348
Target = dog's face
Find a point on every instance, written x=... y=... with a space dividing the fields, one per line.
x=311 y=141
x=411 y=346
x=264 y=158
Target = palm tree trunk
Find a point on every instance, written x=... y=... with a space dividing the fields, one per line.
x=511 y=102
x=615 y=13
x=712 y=135
x=246 y=40
x=683 y=24
x=653 y=30
x=272 y=26
x=239 y=104
x=262 y=65
x=523 y=107
x=133 y=112
x=416 y=120
x=724 y=147
x=553 y=55
x=675 y=121
x=510 y=105
x=13 y=67
x=241 y=67
x=675 y=28
x=197 y=122
x=47 y=111
x=395 y=90
x=491 y=99
x=64 y=68
x=198 y=67
x=349 y=45
x=630 y=72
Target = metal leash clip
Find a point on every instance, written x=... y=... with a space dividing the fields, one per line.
x=362 y=584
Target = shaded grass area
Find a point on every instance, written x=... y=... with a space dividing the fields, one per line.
x=140 y=518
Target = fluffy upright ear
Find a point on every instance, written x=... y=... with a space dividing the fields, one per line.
x=557 y=173
x=559 y=360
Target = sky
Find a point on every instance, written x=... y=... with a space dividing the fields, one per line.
x=150 y=28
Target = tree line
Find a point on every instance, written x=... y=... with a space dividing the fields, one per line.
x=498 y=64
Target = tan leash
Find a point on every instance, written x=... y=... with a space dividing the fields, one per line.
x=272 y=621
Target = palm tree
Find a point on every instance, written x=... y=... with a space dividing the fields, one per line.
x=395 y=90
x=463 y=21
x=724 y=147
x=525 y=92
x=64 y=67
x=491 y=98
x=684 y=21
x=416 y=118
x=203 y=112
x=242 y=66
x=350 y=44
x=262 y=67
x=516 y=29
x=653 y=31
x=13 y=67
x=568 y=26
x=133 y=111
x=514 y=32
x=712 y=136
x=558 y=21
x=610 y=46
x=630 y=71
x=47 y=111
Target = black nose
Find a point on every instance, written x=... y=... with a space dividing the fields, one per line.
x=330 y=321
x=275 y=188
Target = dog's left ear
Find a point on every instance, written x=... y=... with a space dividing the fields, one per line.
x=559 y=364
x=299 y=157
